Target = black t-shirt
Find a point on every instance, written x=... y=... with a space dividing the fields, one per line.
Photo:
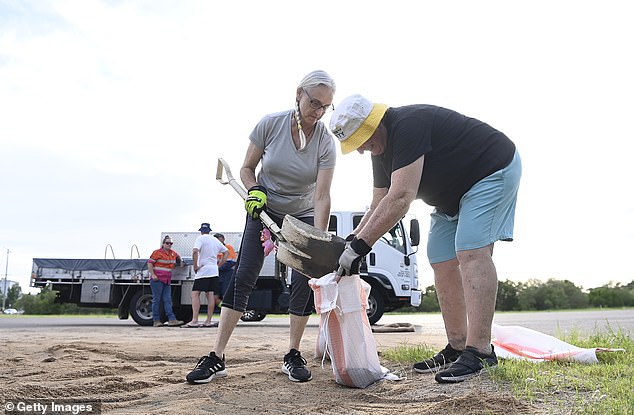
x=459 y=151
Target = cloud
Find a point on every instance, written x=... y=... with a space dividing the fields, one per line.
x=114 y=113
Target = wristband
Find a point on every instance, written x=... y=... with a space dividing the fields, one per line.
x=260 y=188
x=360 y=246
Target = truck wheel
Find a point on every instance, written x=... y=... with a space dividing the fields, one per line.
x=183 y=313
x=141 y=308
x=252 y=315
x=376 y=306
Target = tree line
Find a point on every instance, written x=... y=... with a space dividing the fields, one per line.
x=44 y=303
x=533 y=295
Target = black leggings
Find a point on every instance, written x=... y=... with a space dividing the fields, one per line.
x=247 y=270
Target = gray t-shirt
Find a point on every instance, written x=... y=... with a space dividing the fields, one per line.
x=290 y=175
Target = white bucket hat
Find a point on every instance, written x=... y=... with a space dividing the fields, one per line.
x=354 y=121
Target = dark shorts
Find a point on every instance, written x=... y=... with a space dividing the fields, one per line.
x=249 y=265
x=225 y=272
x=207 y=284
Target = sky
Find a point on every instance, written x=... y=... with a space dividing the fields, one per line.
x=113 y=115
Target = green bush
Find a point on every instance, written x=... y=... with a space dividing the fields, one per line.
x=44 y=303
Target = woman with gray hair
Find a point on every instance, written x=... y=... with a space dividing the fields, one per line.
x=297 y=156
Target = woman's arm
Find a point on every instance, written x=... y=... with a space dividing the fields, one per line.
x=251 y=161
x=150 y=270
x=322 y=198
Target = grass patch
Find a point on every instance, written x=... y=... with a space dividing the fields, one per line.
x=604 y=388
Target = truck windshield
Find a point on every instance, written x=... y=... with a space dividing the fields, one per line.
x=394 y=237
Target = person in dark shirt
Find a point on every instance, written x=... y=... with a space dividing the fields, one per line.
x=470 y=173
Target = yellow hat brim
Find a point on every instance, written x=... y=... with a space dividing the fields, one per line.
x=365 y=130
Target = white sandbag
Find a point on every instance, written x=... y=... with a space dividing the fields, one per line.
x=516 y=342
x=346 y=330
x=325 y=292
x=321 y=351
x=325 y=297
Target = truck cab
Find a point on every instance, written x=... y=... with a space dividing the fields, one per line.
x=391 y=268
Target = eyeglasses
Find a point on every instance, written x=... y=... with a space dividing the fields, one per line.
x=316 y=104
x=168 y=243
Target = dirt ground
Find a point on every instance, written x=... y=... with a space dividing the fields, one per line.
x=141 y=370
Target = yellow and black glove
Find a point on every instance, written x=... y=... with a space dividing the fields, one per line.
x=255 y=202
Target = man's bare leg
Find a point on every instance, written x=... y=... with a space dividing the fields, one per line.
x=195 y=307
x=479 y=279
x=448 y=283
x=211 y=305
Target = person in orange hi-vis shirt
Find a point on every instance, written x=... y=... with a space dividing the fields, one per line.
x=227 y=268
x=160 y=266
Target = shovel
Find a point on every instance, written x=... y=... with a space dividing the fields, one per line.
x=300 y=246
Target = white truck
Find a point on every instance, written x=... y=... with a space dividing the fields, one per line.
x=390 y=268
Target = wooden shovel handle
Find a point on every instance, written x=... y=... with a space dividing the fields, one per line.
x=264 y=217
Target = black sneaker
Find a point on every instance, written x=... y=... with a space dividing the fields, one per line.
x=295 y=367
x=442 y=360
x=469 y=364
x=207 y=368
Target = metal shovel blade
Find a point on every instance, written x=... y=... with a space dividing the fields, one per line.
x=309 y=250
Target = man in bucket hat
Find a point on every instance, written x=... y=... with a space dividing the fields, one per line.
x=469 y=172
x=208 y=255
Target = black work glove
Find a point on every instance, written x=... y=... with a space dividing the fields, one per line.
x=350 y=259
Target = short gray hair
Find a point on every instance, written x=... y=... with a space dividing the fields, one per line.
x=316 y=78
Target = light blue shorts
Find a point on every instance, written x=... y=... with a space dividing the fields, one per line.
x=486 y=215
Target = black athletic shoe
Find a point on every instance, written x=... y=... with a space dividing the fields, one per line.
x=442 y=360
x=207 y=368
x=295 y=367
x=469 y=364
